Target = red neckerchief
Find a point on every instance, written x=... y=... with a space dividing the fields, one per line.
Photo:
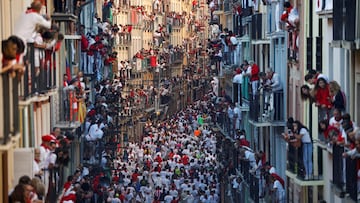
x=30 y=11
x=272 y=74
x=46 y=147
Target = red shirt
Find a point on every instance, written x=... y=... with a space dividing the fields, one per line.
x=134 y=177
x=185 y=159
x=323 y=97
x=244 y=142
x=158 y=159
x=84 y=43
x=254 y=73
x=277 y=177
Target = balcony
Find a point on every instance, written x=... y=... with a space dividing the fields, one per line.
x=66 y=11
x=218 y=9
x=267 y=107
x=294 y=161
x=295 y=167
x=40 y=75
x=176 y=57
x=273 y=26
x=254 y=183
x=345 y=173
x=177 y=23
x=68 y=112
x=124 y=5
x=124 y=39
x=148 y=26
x=324 y=8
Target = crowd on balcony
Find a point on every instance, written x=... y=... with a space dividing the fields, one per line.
x=336 y=128
x=256 y=173
x=222 y=47
x=49 y=159
x=263 y=89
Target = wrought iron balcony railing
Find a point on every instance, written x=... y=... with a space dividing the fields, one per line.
x=124 y=39
x=267 y=106
x=40 y=75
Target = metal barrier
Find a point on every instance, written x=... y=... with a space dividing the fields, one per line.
x=294 y=161
x=40 y=75
x=254 y=187
x=338 y=166
x=267 y=106
x=352 y=178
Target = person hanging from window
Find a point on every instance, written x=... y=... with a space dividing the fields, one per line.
x=302 y=133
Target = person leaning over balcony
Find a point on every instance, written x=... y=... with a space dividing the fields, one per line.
x=233 y=42
x=301 y=132
x=223 y=39
x=306 y=93
x=11 y=49
x=276 y=87
x=254 y=77
x=230 y=114
x=337 y=96
x=84 y=48
x=26 y=24
x=313 y=76
x=355 y=152
x=323 y=98
x=278 y=189
x=275 y=83
x=246 y=68
x=350 y=128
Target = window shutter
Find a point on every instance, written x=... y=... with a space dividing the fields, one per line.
x=319 y=54
x=350 y=19
x=338 y=19
x=309 y=64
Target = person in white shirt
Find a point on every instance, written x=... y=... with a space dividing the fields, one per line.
x=237 y=116
x=279 y=190
x=275 y=80
x=37 y=171
x=249 y=155
x=26 y=24
x=173 y=192
x=168 y=198
x=301 y=132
